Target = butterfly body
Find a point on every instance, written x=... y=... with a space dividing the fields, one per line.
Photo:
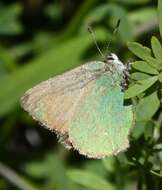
x=84 y=107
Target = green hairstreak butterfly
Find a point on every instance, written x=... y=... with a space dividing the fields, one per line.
x=85 y=107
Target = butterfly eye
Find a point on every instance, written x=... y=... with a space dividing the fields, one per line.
x=110 y=58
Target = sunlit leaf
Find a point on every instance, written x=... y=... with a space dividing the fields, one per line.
x=139 y=76
x=154 y=62
x=140 y=87
x=144 y=53
x=156 y=48
x=144 y=67
x=160 y=77
x=139 y=50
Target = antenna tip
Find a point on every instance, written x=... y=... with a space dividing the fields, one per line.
x=118 y=23
x=89 y=29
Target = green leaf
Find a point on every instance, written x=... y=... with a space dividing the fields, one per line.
x=144 y=53
x=147 y=107
x=89 y=180
x=160 y=77
x=139 y=76
x=153 y=62
x=156 y=48
x=144 y=67
x=160 y=16
x=56 y=61
x=139 y=50
x=140 y=87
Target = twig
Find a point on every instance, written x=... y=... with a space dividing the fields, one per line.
x=15 y=179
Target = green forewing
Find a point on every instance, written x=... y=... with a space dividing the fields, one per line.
x=101 y=124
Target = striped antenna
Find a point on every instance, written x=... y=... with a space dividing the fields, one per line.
x=90 y=30
x=114 y=32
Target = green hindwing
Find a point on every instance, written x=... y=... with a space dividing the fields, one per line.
x=101 y=123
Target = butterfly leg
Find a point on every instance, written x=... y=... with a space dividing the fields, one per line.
x=126 y=77
x=64 y=139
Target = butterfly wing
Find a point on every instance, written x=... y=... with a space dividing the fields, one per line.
x=101 y=124
x=53 y=102
x=85 y=107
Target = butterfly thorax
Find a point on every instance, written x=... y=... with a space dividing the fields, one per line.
x=119 y=68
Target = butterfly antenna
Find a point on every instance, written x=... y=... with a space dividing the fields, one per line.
x=90 y=30
x=114 y=32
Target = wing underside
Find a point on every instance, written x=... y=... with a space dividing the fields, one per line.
x=101 y=124
x=85 y=107
x=53 y=102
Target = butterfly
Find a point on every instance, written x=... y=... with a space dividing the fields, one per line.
x=85 y=107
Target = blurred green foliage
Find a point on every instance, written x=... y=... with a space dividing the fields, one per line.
x=40 y=39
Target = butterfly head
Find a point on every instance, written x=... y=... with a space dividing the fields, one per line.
x=112 y=58
x=113 y=61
